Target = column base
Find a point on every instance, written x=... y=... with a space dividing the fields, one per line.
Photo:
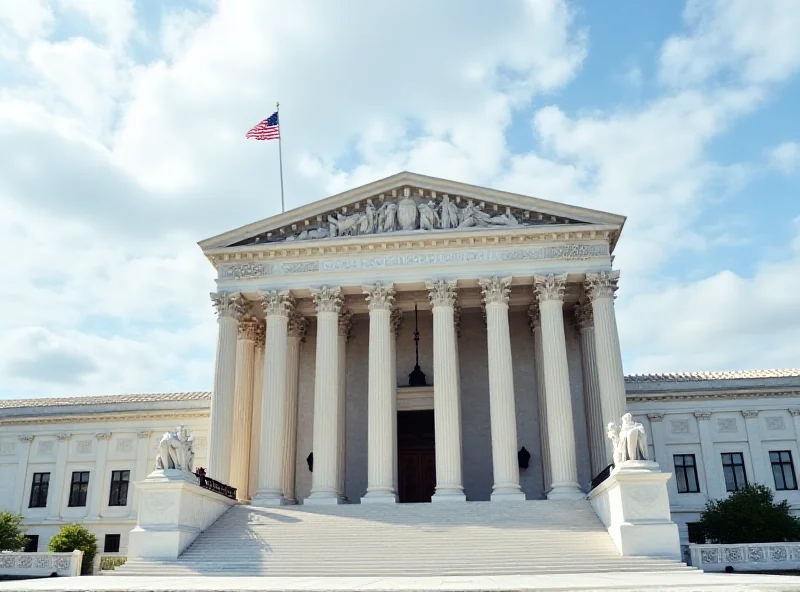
x=379 y=497
x=448 y=495
x=269 y=500
x=508 y=495
x=566 y=491
x=323 y=500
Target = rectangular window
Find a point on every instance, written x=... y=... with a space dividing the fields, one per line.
x=41 y=482
x=119 y=488
x=686 y=473
x=32 y=546
x=79 y=489
x=696 y=533
x=733 y=467
x=111 y=544
x=783 y=470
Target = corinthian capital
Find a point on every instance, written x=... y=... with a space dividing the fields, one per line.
x=442 y=292
x=495 y=290
x=397 y=320
x=228 y=305
x=379 y=296
x=345 y=322
x=584 y=315
x=601 y=285
x=549 y=287
x=247 y=329
x=534 y=317
x=327 y=299
x=278 y=303
x=298 y=325
x=261 y=333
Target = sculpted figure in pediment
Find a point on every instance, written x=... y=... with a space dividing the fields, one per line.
x=428 y=218
x=344 y=225
x=450 y=213
x=366 y=224
x=407 y=212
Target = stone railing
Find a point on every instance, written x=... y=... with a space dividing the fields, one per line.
x=746 y=557
x=40 y=564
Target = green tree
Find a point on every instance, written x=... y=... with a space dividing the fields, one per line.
x=73 y=537
x=749 y=516
x=12 y=535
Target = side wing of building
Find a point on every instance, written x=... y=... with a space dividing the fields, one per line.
x=76 y=459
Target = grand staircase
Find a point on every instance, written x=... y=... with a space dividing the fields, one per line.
x=476 y=538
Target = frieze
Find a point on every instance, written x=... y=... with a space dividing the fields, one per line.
x=571 y=252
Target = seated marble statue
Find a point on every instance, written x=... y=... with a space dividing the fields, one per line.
x=176 y=451
x=629 y=440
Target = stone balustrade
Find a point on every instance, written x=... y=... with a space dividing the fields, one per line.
x=40 y=564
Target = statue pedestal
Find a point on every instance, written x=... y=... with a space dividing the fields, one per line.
x=173 y=511
x=633 y=503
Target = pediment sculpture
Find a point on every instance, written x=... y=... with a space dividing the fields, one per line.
x=176 y=451
x=406 y=215
x=629 y=440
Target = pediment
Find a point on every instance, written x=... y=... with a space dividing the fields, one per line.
x=408 y=204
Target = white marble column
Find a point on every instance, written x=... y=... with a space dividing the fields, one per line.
x=141 y=471
x=712 y=462
x=98 y=477
x=502 y=408
x=255 y=424
x=560 y=429
x=760 y=474
x=600 y=288
x=324 y=483
x=297 y=334
x=55 y=493
x=345 y=325
x=541 y=399
x=278 y=307
x=243 y=408
x=230 y=308
x=23 y=455
x=663 y=458
x=446 y=398
x=381 y=390
x=595 y=428
x=397 y=322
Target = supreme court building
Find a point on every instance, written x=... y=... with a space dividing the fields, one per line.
x=318 y=309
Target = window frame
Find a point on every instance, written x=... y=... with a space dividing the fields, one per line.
x=32 y=546
x=733 y=466
x=79 y=490
x=111 y=537
x=781 y=463
x=682 y=473
x=38 y=493
x=120 y=487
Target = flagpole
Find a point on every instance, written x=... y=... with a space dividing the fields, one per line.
x=280 y=154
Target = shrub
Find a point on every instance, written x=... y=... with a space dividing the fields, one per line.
x=749 y=516
x=12 y=535
x=74 y=537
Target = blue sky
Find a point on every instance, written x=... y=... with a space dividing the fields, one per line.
x=122 y=125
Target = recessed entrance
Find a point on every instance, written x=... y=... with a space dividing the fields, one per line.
x=416 y=456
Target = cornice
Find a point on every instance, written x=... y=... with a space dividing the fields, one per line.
x=100 y=417
x=404 y=242
x=709 y=396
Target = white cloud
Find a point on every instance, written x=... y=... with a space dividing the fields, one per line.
x=114 y=19
x=726 y=320
x=754 y=42
x=785 y=157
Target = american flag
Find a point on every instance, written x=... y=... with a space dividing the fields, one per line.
x=269 y=129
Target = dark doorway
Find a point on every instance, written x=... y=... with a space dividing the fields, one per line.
x=416 y=456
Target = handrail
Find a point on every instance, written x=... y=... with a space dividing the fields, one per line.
x=215 y=486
